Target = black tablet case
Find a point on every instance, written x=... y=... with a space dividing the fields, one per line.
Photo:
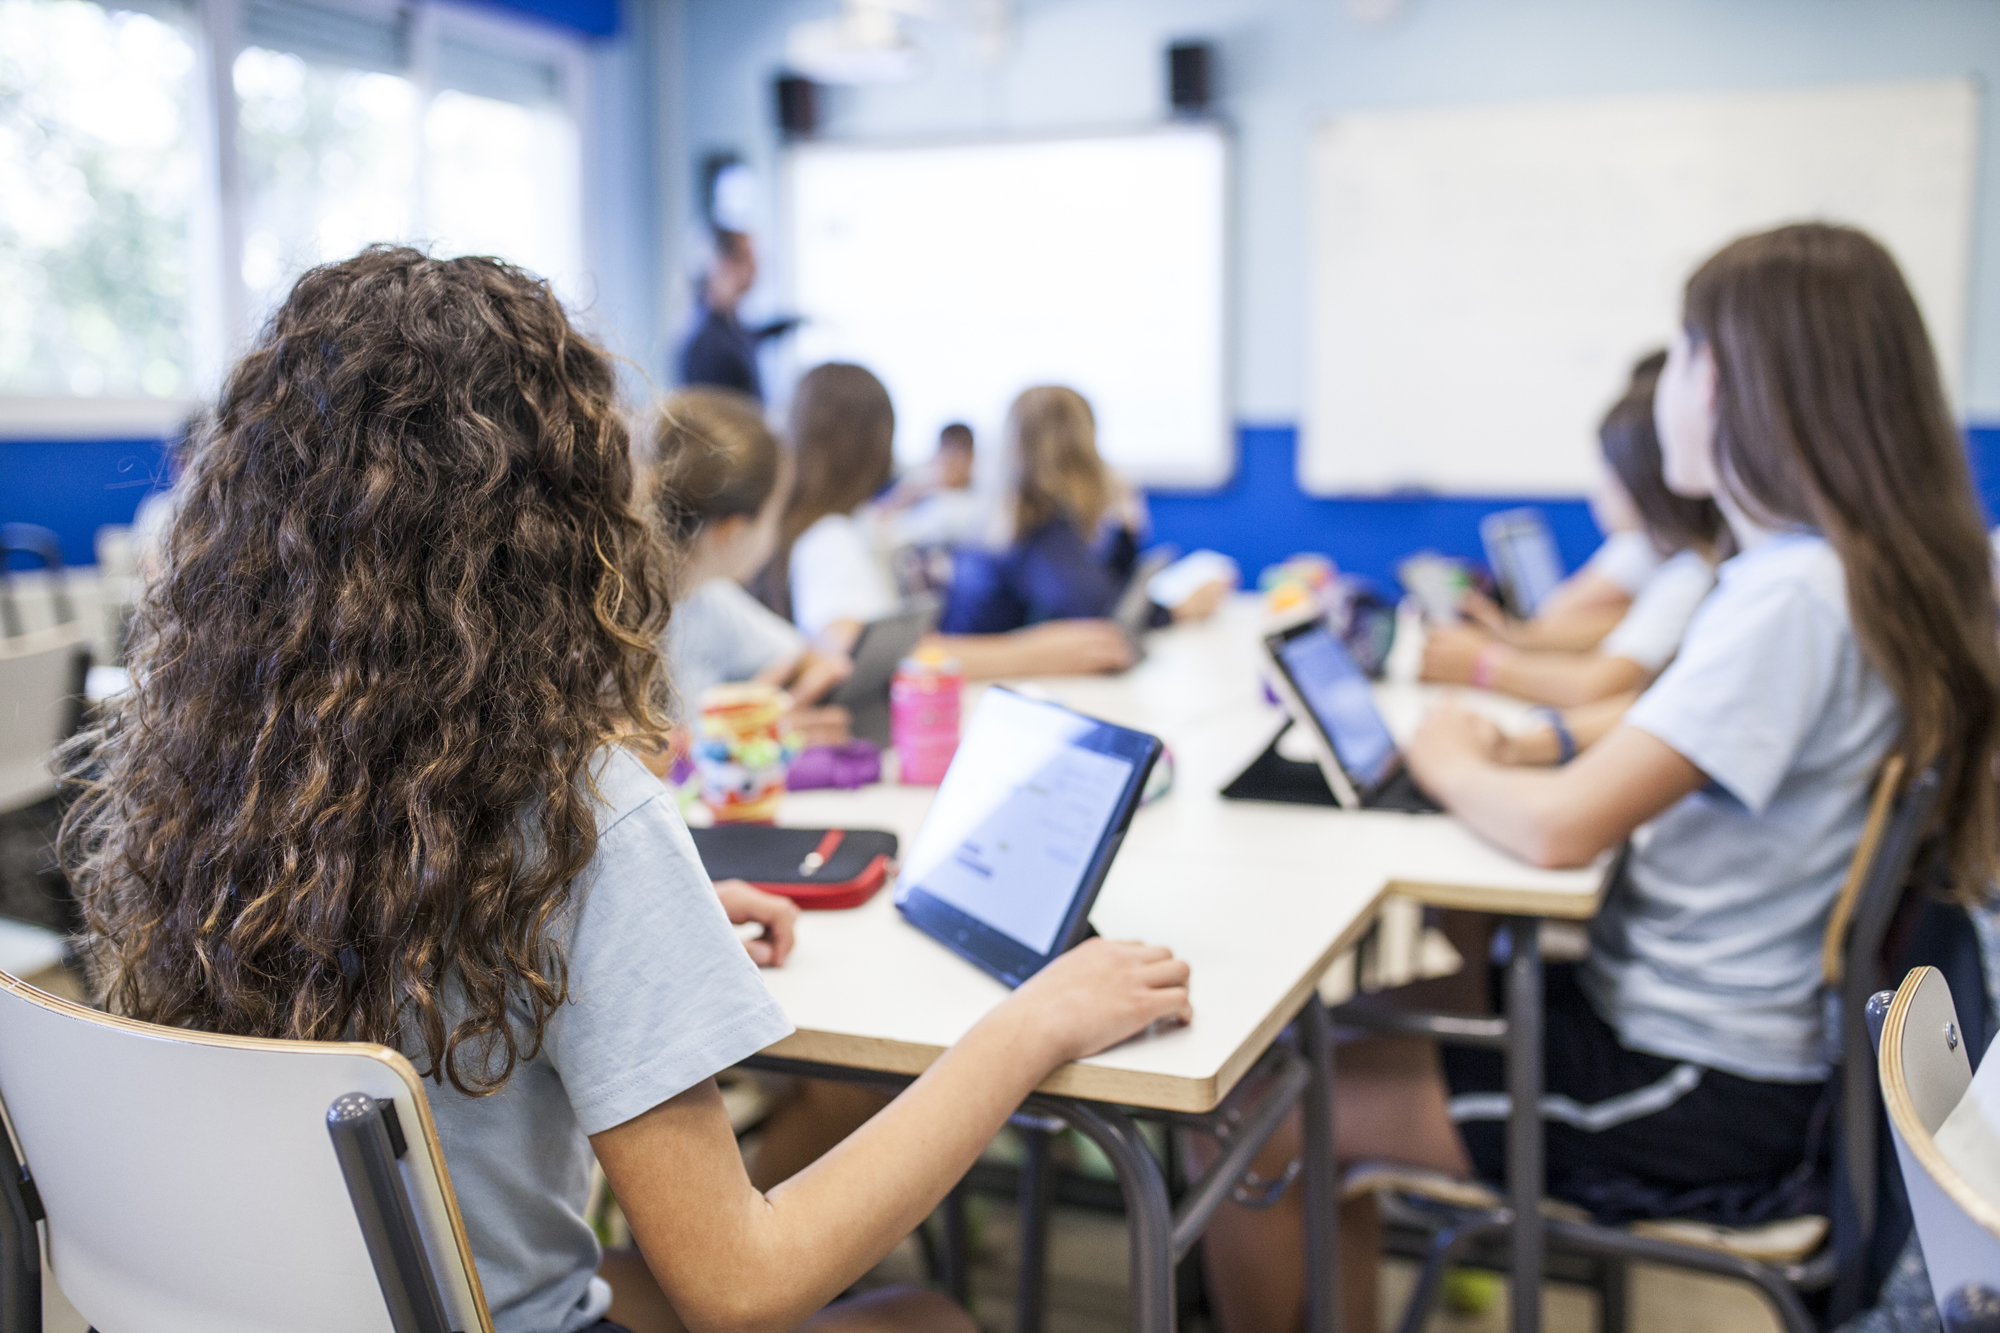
x=1272 y=777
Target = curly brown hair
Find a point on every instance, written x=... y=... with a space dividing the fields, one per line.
x=405 y=602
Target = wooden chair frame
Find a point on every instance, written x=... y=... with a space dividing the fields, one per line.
x=1899 y=818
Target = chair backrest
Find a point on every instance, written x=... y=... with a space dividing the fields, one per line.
x=1899 y=814
x=190 y=1183
x=40 y=542
x=1925 y=1072
x=38 y=686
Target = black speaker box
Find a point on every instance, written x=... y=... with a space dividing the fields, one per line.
x=1190 y=77
x=798 y=106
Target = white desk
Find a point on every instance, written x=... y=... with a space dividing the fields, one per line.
x=1260 y=898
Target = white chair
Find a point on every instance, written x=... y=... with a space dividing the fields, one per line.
x=193 y=1183
x=40 y=683
x=1925 y=1074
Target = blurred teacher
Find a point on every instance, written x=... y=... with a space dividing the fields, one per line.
x=721 y=351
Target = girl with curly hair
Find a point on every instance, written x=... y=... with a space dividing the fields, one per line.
x=372 y=784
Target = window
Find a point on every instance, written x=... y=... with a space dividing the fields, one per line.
x=354 y=122
x=100 y=170
x=328 y=165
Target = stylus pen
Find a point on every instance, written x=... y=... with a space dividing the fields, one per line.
x=817 y=856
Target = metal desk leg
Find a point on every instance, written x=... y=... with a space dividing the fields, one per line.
x=1320 y=1185
x=957 y=1256
x=1148 y=1214
x=1524 y=1120
x=1037 y=1182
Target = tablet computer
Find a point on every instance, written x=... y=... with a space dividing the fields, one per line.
x=1023 y=830
x=883 y=644
x=1133 y=612
x=1328 y=694
x=1523 y=554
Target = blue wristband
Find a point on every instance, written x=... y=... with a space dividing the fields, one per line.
x=1565 y=741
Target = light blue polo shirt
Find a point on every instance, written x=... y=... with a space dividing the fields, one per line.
x=662 y=996
x=1708 y=948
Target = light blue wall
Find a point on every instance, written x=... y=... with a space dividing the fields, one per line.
x=1285 y=64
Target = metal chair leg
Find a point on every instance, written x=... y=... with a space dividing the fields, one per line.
x=1613 y=1295
x=20 y=1245
x=1449 y=1242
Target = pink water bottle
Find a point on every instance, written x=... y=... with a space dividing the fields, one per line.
x=923 y=715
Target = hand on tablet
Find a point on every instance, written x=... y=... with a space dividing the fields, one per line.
x=1102 y=992
x=778 y=916
x=1450 y=652
x=1448 y=737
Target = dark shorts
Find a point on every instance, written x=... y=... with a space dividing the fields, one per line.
x=1634 y=1135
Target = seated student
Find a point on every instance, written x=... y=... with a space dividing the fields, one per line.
x=1803 y=394
x=716 y=486
x=825 y=573
x=1070 y=535
x=1587 y=605
x=935 y=505
x=367 y=786
x=1688 y=532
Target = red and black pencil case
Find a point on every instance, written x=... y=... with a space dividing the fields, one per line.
x=817 y=868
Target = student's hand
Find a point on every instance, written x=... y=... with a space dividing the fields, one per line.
x=778 y=916
x=1449 y=653
x=1484 y=612
x=812 y=673
x=1203 y=601
x=1075 y=647
x=839 y=637
x=822 y=726
x=1449 y=738
x=1100 y=993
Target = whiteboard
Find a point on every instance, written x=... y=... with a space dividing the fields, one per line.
x=1483 y=277
x=964 y=273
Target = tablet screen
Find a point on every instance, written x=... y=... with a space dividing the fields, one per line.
x=1020 y=817
x=1524 y=557
x=1336 y=691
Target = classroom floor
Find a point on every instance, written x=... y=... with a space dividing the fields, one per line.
x=1086 y=1287
x=1086 y=1280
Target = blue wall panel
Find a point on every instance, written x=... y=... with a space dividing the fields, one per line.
x=1262 y=516
x=1259 y=518
x=596 y=18
x=77 y=486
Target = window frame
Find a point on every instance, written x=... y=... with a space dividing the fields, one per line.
x=220 y=316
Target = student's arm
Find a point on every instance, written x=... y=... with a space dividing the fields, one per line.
x=1588 y=724
x=1555 y=817
x=732 y=1260
x=841 y=635
x=809 y=675
x=1454 y=655
x=1577 y=615
x=1053 y=648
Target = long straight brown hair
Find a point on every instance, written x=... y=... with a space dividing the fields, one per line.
x=843 y=431
x=1830 y=415
x=404 y=603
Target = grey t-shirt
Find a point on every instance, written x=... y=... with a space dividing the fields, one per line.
x=720 y=634
x=1651 y=632
x=662 y=995
x=1708 y=948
